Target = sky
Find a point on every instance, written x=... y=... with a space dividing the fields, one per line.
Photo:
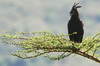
x=41 y=15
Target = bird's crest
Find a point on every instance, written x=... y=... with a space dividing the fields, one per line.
x=75 y=6
x=74 y=9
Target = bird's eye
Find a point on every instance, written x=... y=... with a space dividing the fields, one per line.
x=72 y=12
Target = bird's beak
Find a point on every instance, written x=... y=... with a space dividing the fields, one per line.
x=70 y=14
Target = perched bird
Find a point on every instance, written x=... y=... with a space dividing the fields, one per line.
x=75 y=25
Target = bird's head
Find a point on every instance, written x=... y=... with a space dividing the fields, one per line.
x=74 y=9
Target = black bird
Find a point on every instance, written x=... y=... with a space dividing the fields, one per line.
x=75 y=25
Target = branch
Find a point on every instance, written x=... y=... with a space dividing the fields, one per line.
x=88 y=56
x=43 y=43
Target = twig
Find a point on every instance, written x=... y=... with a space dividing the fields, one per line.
x=84 y=54
x=77 y=52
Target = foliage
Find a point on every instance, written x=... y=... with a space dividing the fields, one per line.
x=35 y=44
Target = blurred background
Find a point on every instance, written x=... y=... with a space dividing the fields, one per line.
x=41 y=15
